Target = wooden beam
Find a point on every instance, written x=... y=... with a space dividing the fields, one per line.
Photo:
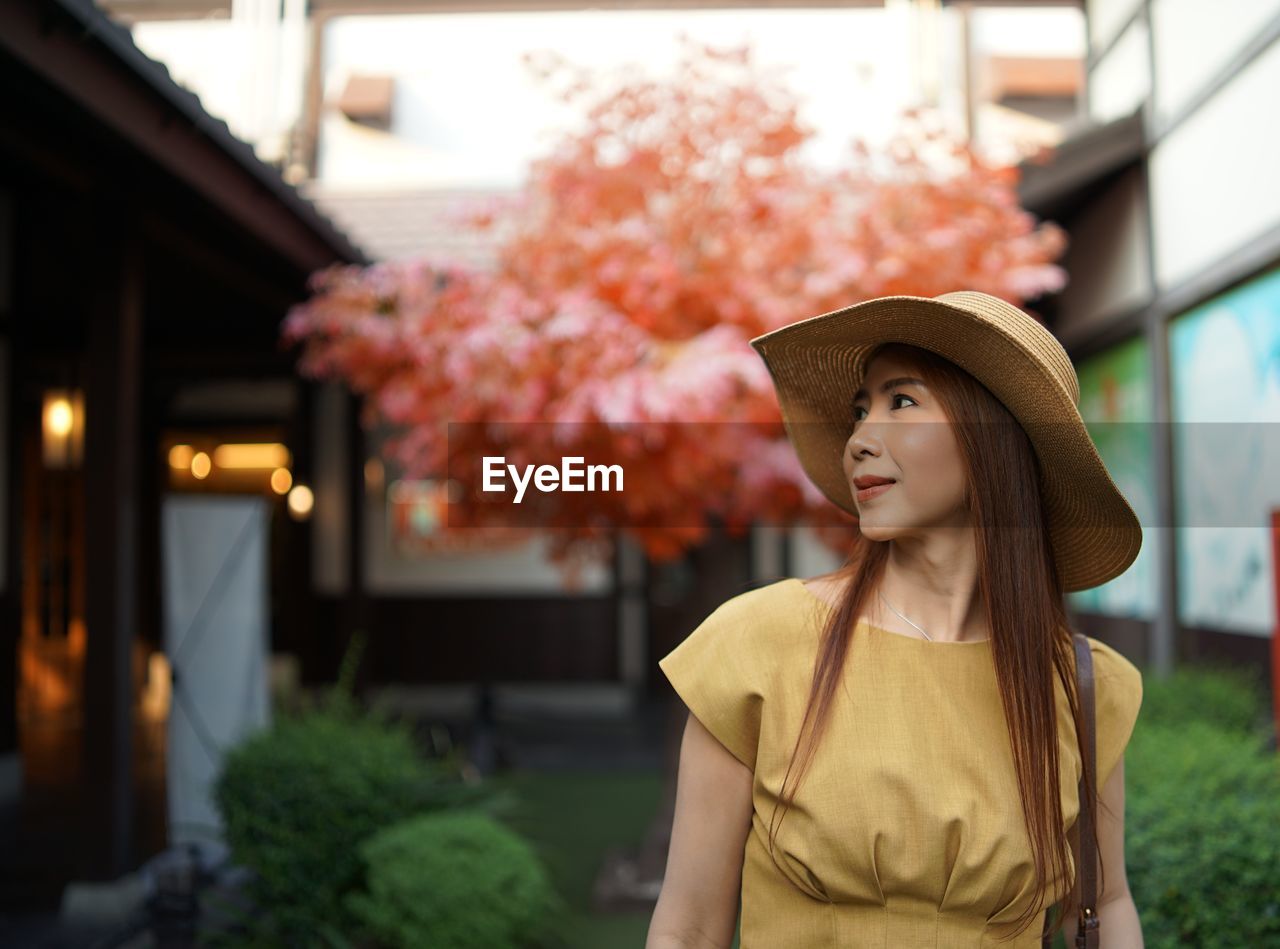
x=112 y=453
x=96 y=68
x=357 y=601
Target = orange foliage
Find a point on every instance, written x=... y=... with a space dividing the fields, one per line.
x=646 y=250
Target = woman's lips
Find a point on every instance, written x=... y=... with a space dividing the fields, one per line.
x=866 y=494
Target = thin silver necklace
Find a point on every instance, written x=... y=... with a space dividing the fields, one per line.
x=890 y=605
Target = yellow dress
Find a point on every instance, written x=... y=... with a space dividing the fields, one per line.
x=907 y=832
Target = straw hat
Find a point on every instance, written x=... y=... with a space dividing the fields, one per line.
x=818 y=363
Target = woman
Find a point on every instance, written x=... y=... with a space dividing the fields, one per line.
x=887 y=755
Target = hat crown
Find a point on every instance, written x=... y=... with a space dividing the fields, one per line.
x=1030 y=332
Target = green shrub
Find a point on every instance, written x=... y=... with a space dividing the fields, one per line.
x=1202 y=821
x=455 y=880
x=1230 y=697
x=298 y=799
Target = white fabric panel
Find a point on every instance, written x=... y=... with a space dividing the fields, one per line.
x=1122 y=80
x=216 y=639
x=1213 y=179
x=1195 y=40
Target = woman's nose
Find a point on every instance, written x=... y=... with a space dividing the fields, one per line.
x=863 y=440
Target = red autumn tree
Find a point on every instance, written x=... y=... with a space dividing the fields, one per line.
x=645 y=251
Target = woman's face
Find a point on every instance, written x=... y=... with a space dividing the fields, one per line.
x=901 y=432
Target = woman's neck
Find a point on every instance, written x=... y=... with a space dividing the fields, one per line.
x=934 y=583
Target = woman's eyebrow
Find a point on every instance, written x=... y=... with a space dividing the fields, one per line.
x=890 y=384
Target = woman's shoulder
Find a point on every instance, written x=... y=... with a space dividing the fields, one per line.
x=771 y=598
x=731 y=663
x=759 y=619
x=1109 y=663
x=778 y=608
x=1117 y=681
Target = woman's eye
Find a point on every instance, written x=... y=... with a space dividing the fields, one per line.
x=892 y=403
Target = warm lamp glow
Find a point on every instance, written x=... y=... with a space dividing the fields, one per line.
x=281 y=480
x=180 y=456
x=300 y=502
x=200 y=465
x=265 y=455
x=58 y=417
x=157 y=693
x=62 y=428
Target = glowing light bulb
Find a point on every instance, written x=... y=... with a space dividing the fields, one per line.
x=300 y=502
x=281 y=481
x=59 y=418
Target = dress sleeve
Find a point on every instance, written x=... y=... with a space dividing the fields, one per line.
x=717 y=672
x=1118 y=694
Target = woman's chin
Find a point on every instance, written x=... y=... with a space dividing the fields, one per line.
x=873 y=527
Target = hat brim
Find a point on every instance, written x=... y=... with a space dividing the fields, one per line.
x=816 y=365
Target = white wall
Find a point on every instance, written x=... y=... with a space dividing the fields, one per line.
x=1106 y=18
x=1052 y=31
x=1121 y=81
x=1214 y=178
x=466 y=113
x=1195 y=40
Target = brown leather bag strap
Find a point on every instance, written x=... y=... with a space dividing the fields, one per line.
x=1088 y=927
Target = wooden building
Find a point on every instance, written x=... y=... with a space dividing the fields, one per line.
x=146 y=259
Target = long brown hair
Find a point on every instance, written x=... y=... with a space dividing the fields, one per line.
x=1023 y=598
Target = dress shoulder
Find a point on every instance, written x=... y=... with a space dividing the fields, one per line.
x=722 y=670
x=1118 y=697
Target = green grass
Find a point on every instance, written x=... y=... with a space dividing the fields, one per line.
x=573 y=819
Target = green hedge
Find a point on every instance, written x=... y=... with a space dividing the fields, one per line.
x=299 y=799
x=1230 y=697
x=1202 y=813
x=456 y=880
